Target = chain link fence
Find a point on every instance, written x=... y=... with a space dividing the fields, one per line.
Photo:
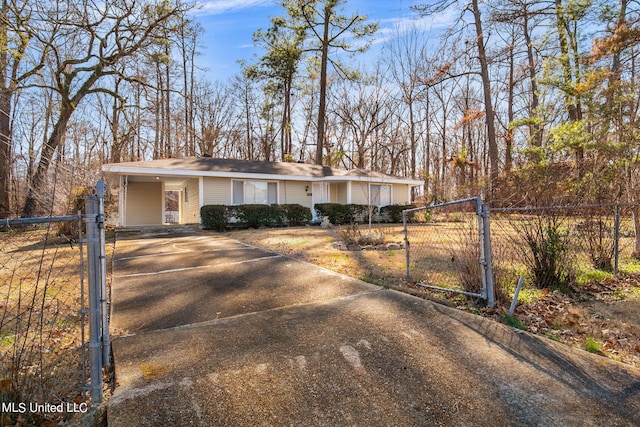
x=563 y=246
x=448 y=248
x=465 y=247
x=53 y=323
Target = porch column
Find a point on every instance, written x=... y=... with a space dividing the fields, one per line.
x=122 y=201
x=200 y=197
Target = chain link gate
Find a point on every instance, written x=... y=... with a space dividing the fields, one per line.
x=448 y=248
x=52 y=284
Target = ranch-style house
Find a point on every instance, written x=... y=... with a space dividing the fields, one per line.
x=144 y=188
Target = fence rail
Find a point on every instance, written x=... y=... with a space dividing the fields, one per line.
x=52 y=283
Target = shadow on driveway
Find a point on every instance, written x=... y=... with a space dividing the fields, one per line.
x=228 y=335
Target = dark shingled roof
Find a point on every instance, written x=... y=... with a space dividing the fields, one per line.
x=209 y=164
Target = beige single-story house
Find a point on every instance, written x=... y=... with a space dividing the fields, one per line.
x=143 y=188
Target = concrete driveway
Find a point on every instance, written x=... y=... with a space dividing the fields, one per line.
x=217 y=333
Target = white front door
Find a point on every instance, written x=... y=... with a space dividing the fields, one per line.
x=320 y=194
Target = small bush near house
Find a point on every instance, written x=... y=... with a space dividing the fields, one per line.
x=297 y=214
x=219 y=217
x=393 y=213
x=214 y=217
x=343 y=214
x=255 y=216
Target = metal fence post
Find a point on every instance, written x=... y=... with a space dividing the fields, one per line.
x=488 y=261
x=91 y=220
x=406 y=243
x=616 y=239
x=106 y=342
x=482 y=246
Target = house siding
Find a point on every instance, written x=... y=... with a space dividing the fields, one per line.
x=190 y=202
x=293 y=192
x=144 y=203
x=400 y=195
x=217 y=191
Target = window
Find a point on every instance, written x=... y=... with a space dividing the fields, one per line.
x=255 y=192
x=380 y=195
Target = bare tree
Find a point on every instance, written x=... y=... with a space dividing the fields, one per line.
x=361 y=108
x=405 y=58
x=15 y=70
x=483 y=61
x=85 y=41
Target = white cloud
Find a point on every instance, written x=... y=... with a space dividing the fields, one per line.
x=396 y=27
x=218 y=7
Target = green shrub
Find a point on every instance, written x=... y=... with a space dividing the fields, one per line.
x=592 y=346
x=214 y=217
x=393 y=213
x=360 y=213
x=337 y=213
x=297 y=214
x=219 y=217
x=254 y=216
x=343 y=214
x=514 y=323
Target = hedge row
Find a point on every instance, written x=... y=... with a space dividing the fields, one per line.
x=219 y=217
x=352 y=213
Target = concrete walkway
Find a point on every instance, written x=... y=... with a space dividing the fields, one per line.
x=216 y=333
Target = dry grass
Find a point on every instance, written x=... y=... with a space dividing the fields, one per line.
x=40 y=321
x=315 y=245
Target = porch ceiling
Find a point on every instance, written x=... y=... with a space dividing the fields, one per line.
x=169 y=181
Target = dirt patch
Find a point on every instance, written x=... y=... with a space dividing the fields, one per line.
x=602 y=317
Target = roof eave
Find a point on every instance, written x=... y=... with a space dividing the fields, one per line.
x=119 y=169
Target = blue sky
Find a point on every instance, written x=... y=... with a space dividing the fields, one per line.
x=230 y=24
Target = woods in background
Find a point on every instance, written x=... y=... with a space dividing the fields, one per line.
x=528 y=102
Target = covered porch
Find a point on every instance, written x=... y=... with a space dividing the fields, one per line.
x=158 y=200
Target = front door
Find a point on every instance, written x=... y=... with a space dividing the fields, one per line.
x=320 y=194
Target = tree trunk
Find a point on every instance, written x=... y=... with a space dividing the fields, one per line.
x=635 y=211
x=39 y=179
x=5 y=152
x=572 y=104
x=117 y=144
x=508 y=140
x=427 y=149
x=5 y=121
x=494 y=171
x=412 y=137
x=536 y=128
x=322 y=106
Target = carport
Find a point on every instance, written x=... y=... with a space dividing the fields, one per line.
x=157 y=200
